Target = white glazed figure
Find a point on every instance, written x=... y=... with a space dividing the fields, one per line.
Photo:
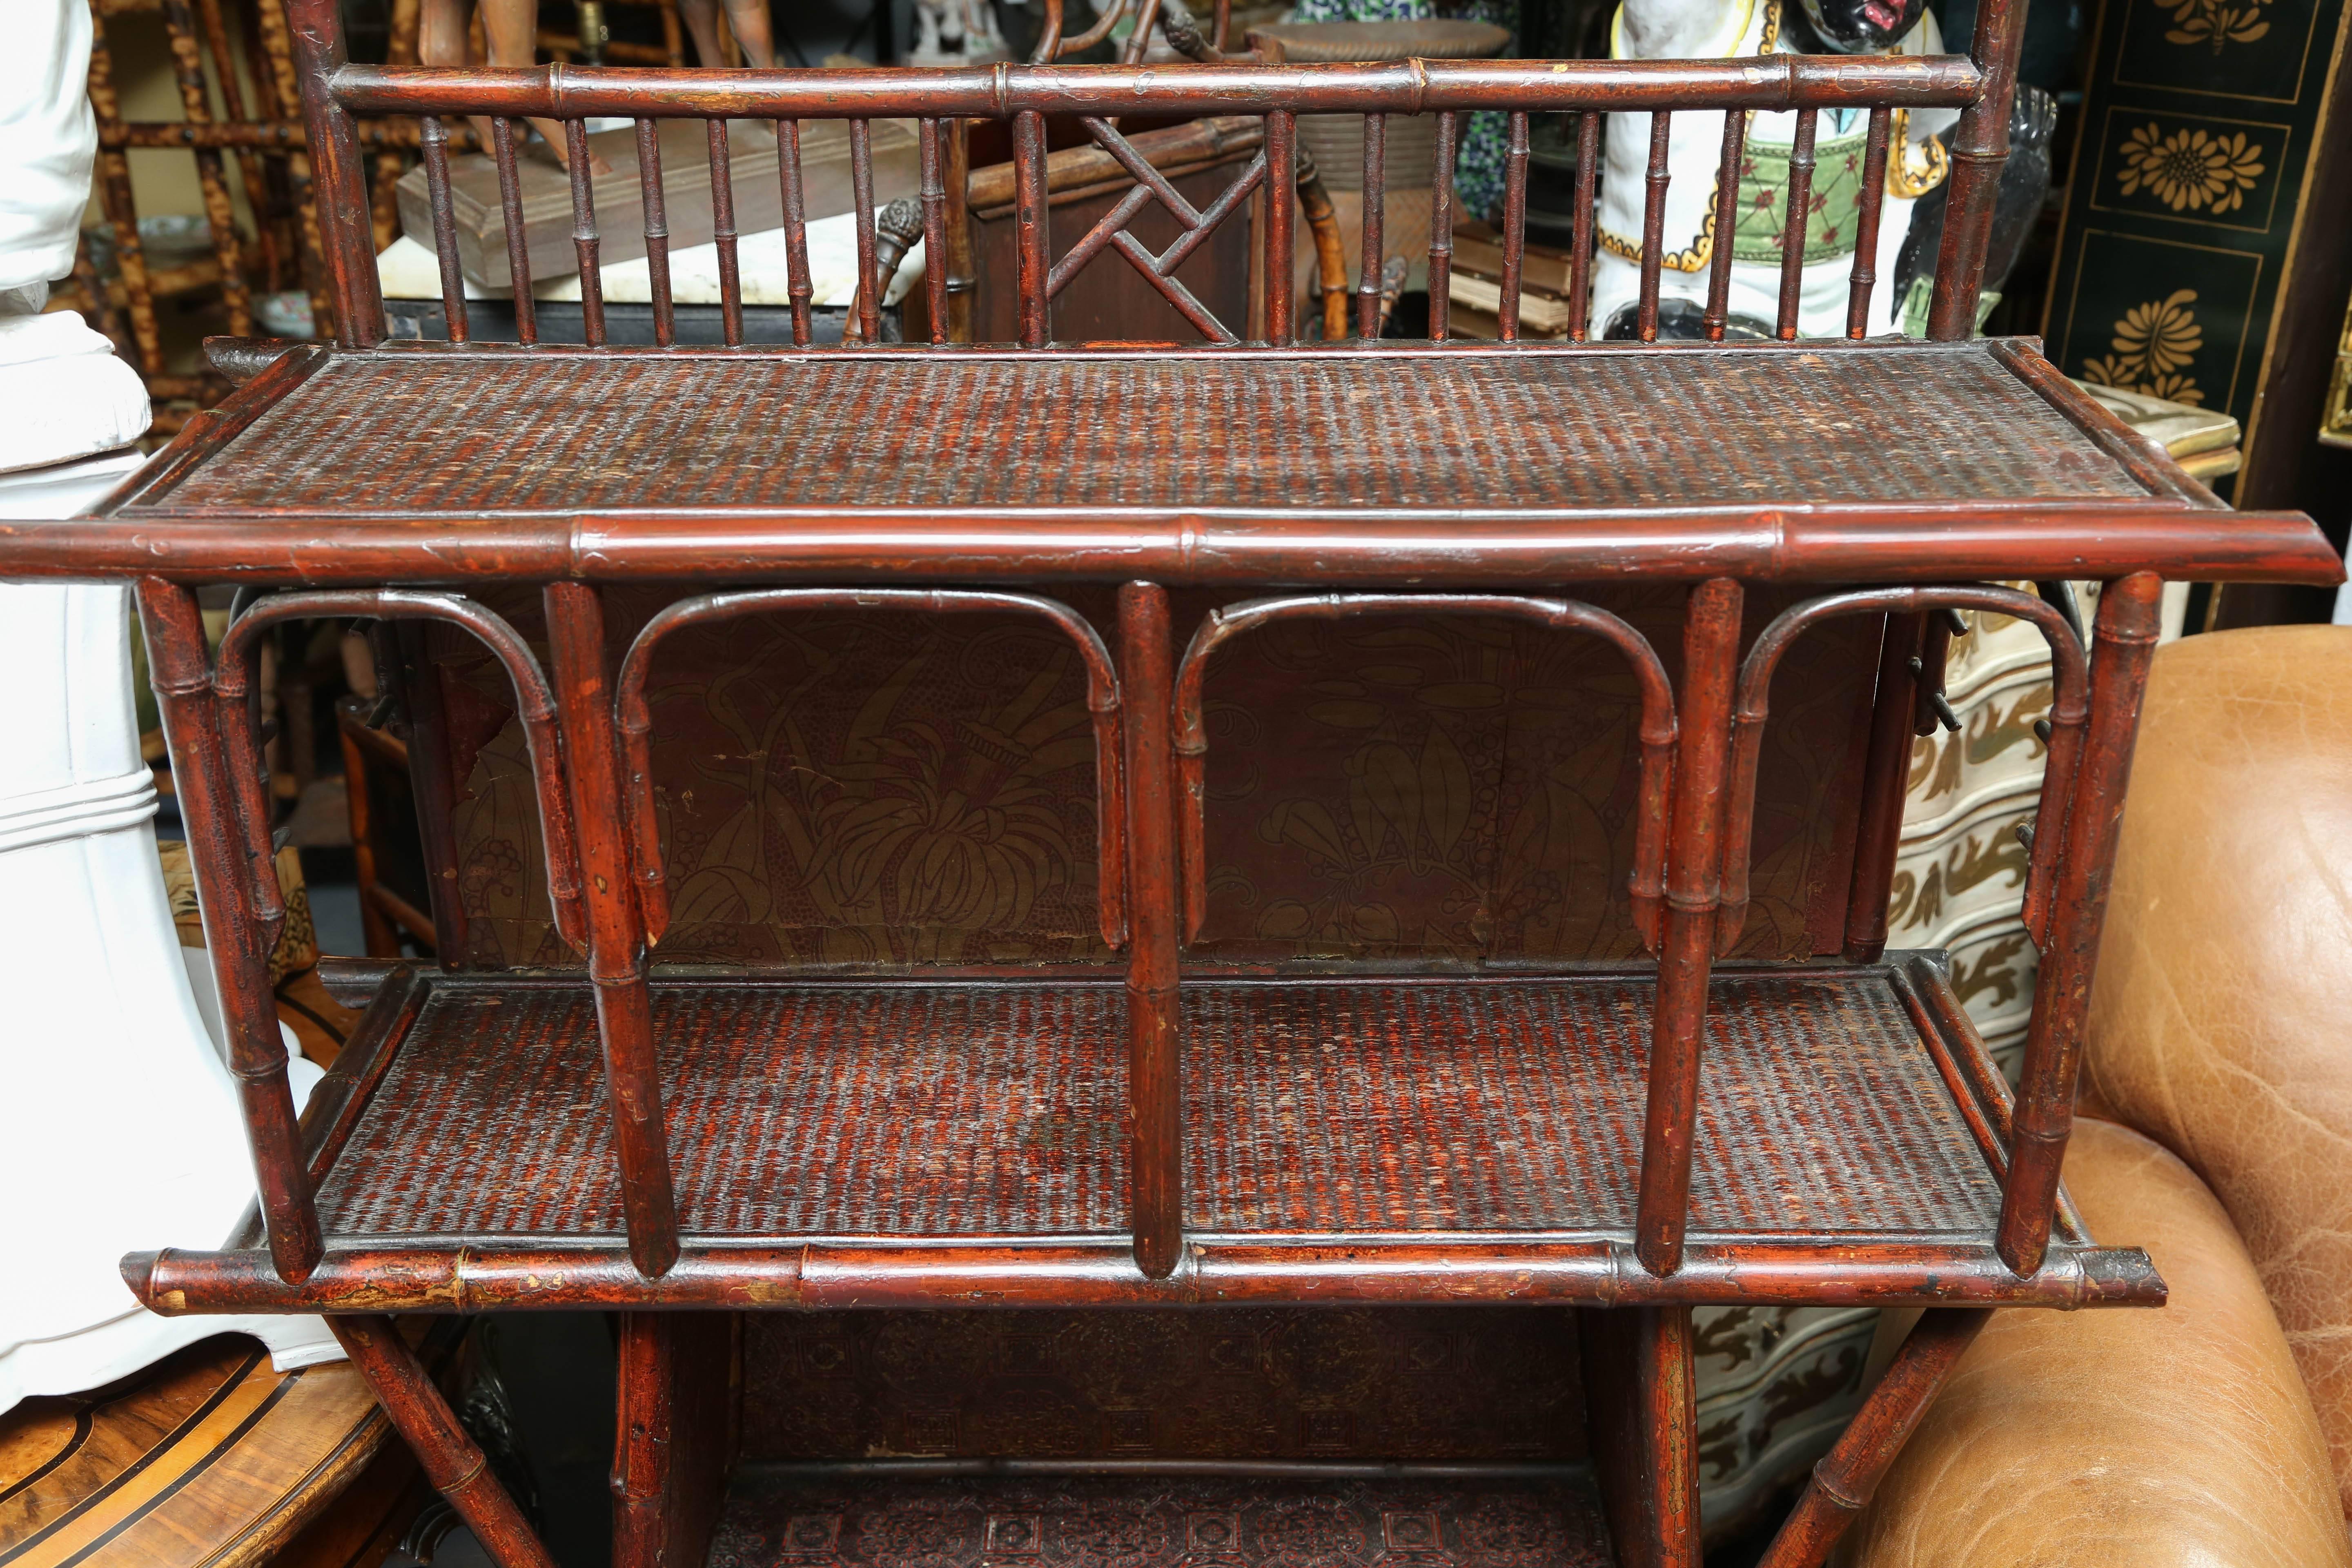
x=118 y=1121
x=1698 y=29
x=956 y=33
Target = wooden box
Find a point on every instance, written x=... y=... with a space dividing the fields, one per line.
x=686 y=193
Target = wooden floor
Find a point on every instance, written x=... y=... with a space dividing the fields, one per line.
x=208 y=1459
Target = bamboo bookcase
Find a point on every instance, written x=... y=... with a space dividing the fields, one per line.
x=1888 y=1164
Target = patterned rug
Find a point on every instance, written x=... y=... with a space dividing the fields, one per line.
x=1158 y=1521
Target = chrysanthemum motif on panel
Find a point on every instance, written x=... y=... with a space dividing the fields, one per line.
x=2189 y=169
x=2152 y=350
x=2217 y=24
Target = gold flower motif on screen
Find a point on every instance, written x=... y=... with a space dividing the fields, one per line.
x=2190 y=169
x=2151 y=349
x=2216 y=23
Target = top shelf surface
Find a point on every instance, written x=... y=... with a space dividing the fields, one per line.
x=1437 y=466
x=1502 y=431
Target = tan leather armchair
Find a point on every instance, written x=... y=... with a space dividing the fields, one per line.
x=2216 y=1433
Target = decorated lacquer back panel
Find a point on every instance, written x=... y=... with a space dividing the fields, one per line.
x=869 y=787
x=1255 y=1384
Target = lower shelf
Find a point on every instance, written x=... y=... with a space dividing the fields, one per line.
x=962 y=1142
x=786 y=1521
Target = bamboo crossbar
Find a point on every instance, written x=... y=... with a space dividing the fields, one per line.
x=1407 y=86
x=1210 y=1271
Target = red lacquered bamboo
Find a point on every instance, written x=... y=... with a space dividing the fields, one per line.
x=1726 y=219
x=868 y=304
x=1376 y=164
x=575 y=634
x=1980 y=146
x=451 y=1459
x=1580 y=274
x=656 y=213
x=585 y=245
x=1793 y=223
x=502 y=151
x=2124 y=643
x=1515 y=226
x=1885 y=779
x=1154 y=1009
x=1653 y=223
x=800 y=288
x=645 y=1417
x=2068 y=708
x=338 y=175
x=1281 y=232
x=1845 y=1478
x=1641 y=1410
x=1775 y=83
x=1441 y=232
x=935 y=228
x=635 y=716
x=1030 y=223
x=1658 y=723
x=723 y=237
x=768 y=1274
x=1866 y=237
x=1687 y=947
x=432 y=143
x=177 y=665
x=534 y=706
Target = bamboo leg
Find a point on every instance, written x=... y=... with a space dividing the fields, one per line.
x=1154 y=1009
x=1642 y=1405
x=1687 y=949
x=575 y=632
x=2123 y=644
x=181 y=674
x=451 y=1459
x=671 y=1448
x=648 y=1409
x=1886 y=774
x=1845 y=1478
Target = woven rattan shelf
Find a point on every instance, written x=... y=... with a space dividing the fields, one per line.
x=1679 y=611
x=1477 y=1135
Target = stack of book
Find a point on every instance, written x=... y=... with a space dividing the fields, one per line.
x=1477 y=286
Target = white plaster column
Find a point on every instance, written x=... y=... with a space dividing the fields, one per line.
x=119 y=1122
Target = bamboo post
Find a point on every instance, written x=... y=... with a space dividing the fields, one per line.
x=1979 y=147
x=646 y=1416
x=1154 y=1009
x=2123 y=642
x=181 y=674
x=1641 y=1411
x=1885 y=775
x=346 y=236
x=1687 y=949
x=575 y=633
